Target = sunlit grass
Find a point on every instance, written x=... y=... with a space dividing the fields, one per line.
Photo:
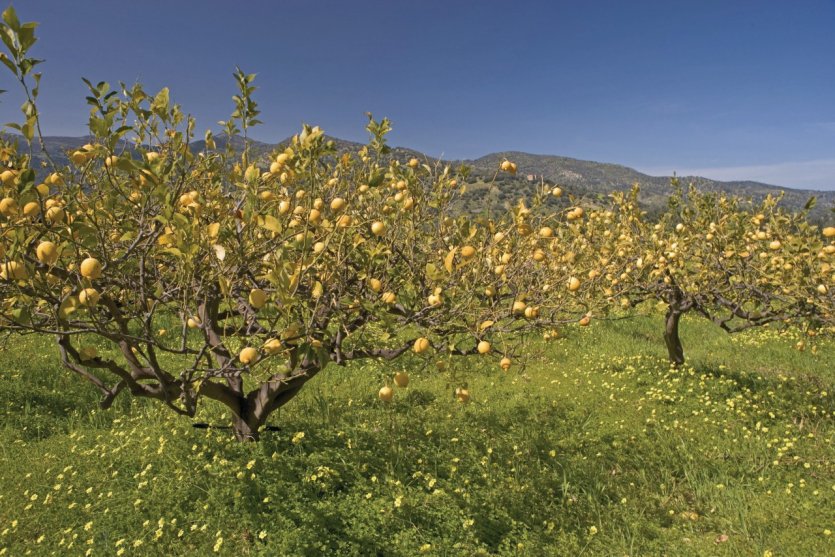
x=597 y=447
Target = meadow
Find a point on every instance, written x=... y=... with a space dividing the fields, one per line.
x=596 y=447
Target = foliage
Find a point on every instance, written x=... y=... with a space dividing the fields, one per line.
x=271 y=269
x=738 y=264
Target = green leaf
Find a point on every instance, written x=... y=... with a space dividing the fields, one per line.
x=376 y=178
x=37 y=86
x=28 y=129
x=8 y=62
x=8 y=37
x=85 y=234
x=122 y=130
x=433 y=272
x=27 y=64
x=180 y=220
x=22 y=316
x=161 y=102
x=271 y=223
x=98 y=126
x=28 y=109
x=322 y=357
x=26 y=180
x=26 y=36
x=10 y=17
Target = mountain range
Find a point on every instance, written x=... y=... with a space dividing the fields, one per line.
x=579 y=177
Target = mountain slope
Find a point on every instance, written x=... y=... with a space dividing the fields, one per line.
x=581 y=177
x=601 y=178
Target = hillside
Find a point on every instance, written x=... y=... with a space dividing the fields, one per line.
x=579 y=177
x=595 y=178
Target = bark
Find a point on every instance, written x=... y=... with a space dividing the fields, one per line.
x=246 y=427
x=250 y=412
x=671 y=338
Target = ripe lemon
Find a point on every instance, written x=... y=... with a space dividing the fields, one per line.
x=248 y=355
x=55 y=215
x=257 y=298
x=273 y=346
x=47 y=253
x=7 y=176
x=531 y=312
x=421 y=345
x=88 y=297
x=12 y=270
x=386 y=394
x=378 y=228
x=31 y=209
x=90 y=268
x=8 y=207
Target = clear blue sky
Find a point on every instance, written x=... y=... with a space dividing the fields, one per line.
x=727 y=89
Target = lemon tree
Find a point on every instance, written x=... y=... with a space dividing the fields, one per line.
x=736 y=262
x=180 y=271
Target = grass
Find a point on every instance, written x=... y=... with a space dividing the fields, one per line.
x=595 y=448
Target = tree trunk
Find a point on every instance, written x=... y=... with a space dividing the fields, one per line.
x=671 y=338
x=254 y=409
x=246 y=428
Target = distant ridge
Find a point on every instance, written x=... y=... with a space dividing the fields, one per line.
x=580 y=177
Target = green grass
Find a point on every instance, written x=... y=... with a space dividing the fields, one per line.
x=596 y=448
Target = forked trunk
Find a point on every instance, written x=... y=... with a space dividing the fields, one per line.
x=246 y=429
x=674 y=348
x=251 y=412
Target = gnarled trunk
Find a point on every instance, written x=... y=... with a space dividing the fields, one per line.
x=253 y=410
x=246 y=428
x=674 y=348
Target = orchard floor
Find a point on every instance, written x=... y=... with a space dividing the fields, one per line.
x=598 y=448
